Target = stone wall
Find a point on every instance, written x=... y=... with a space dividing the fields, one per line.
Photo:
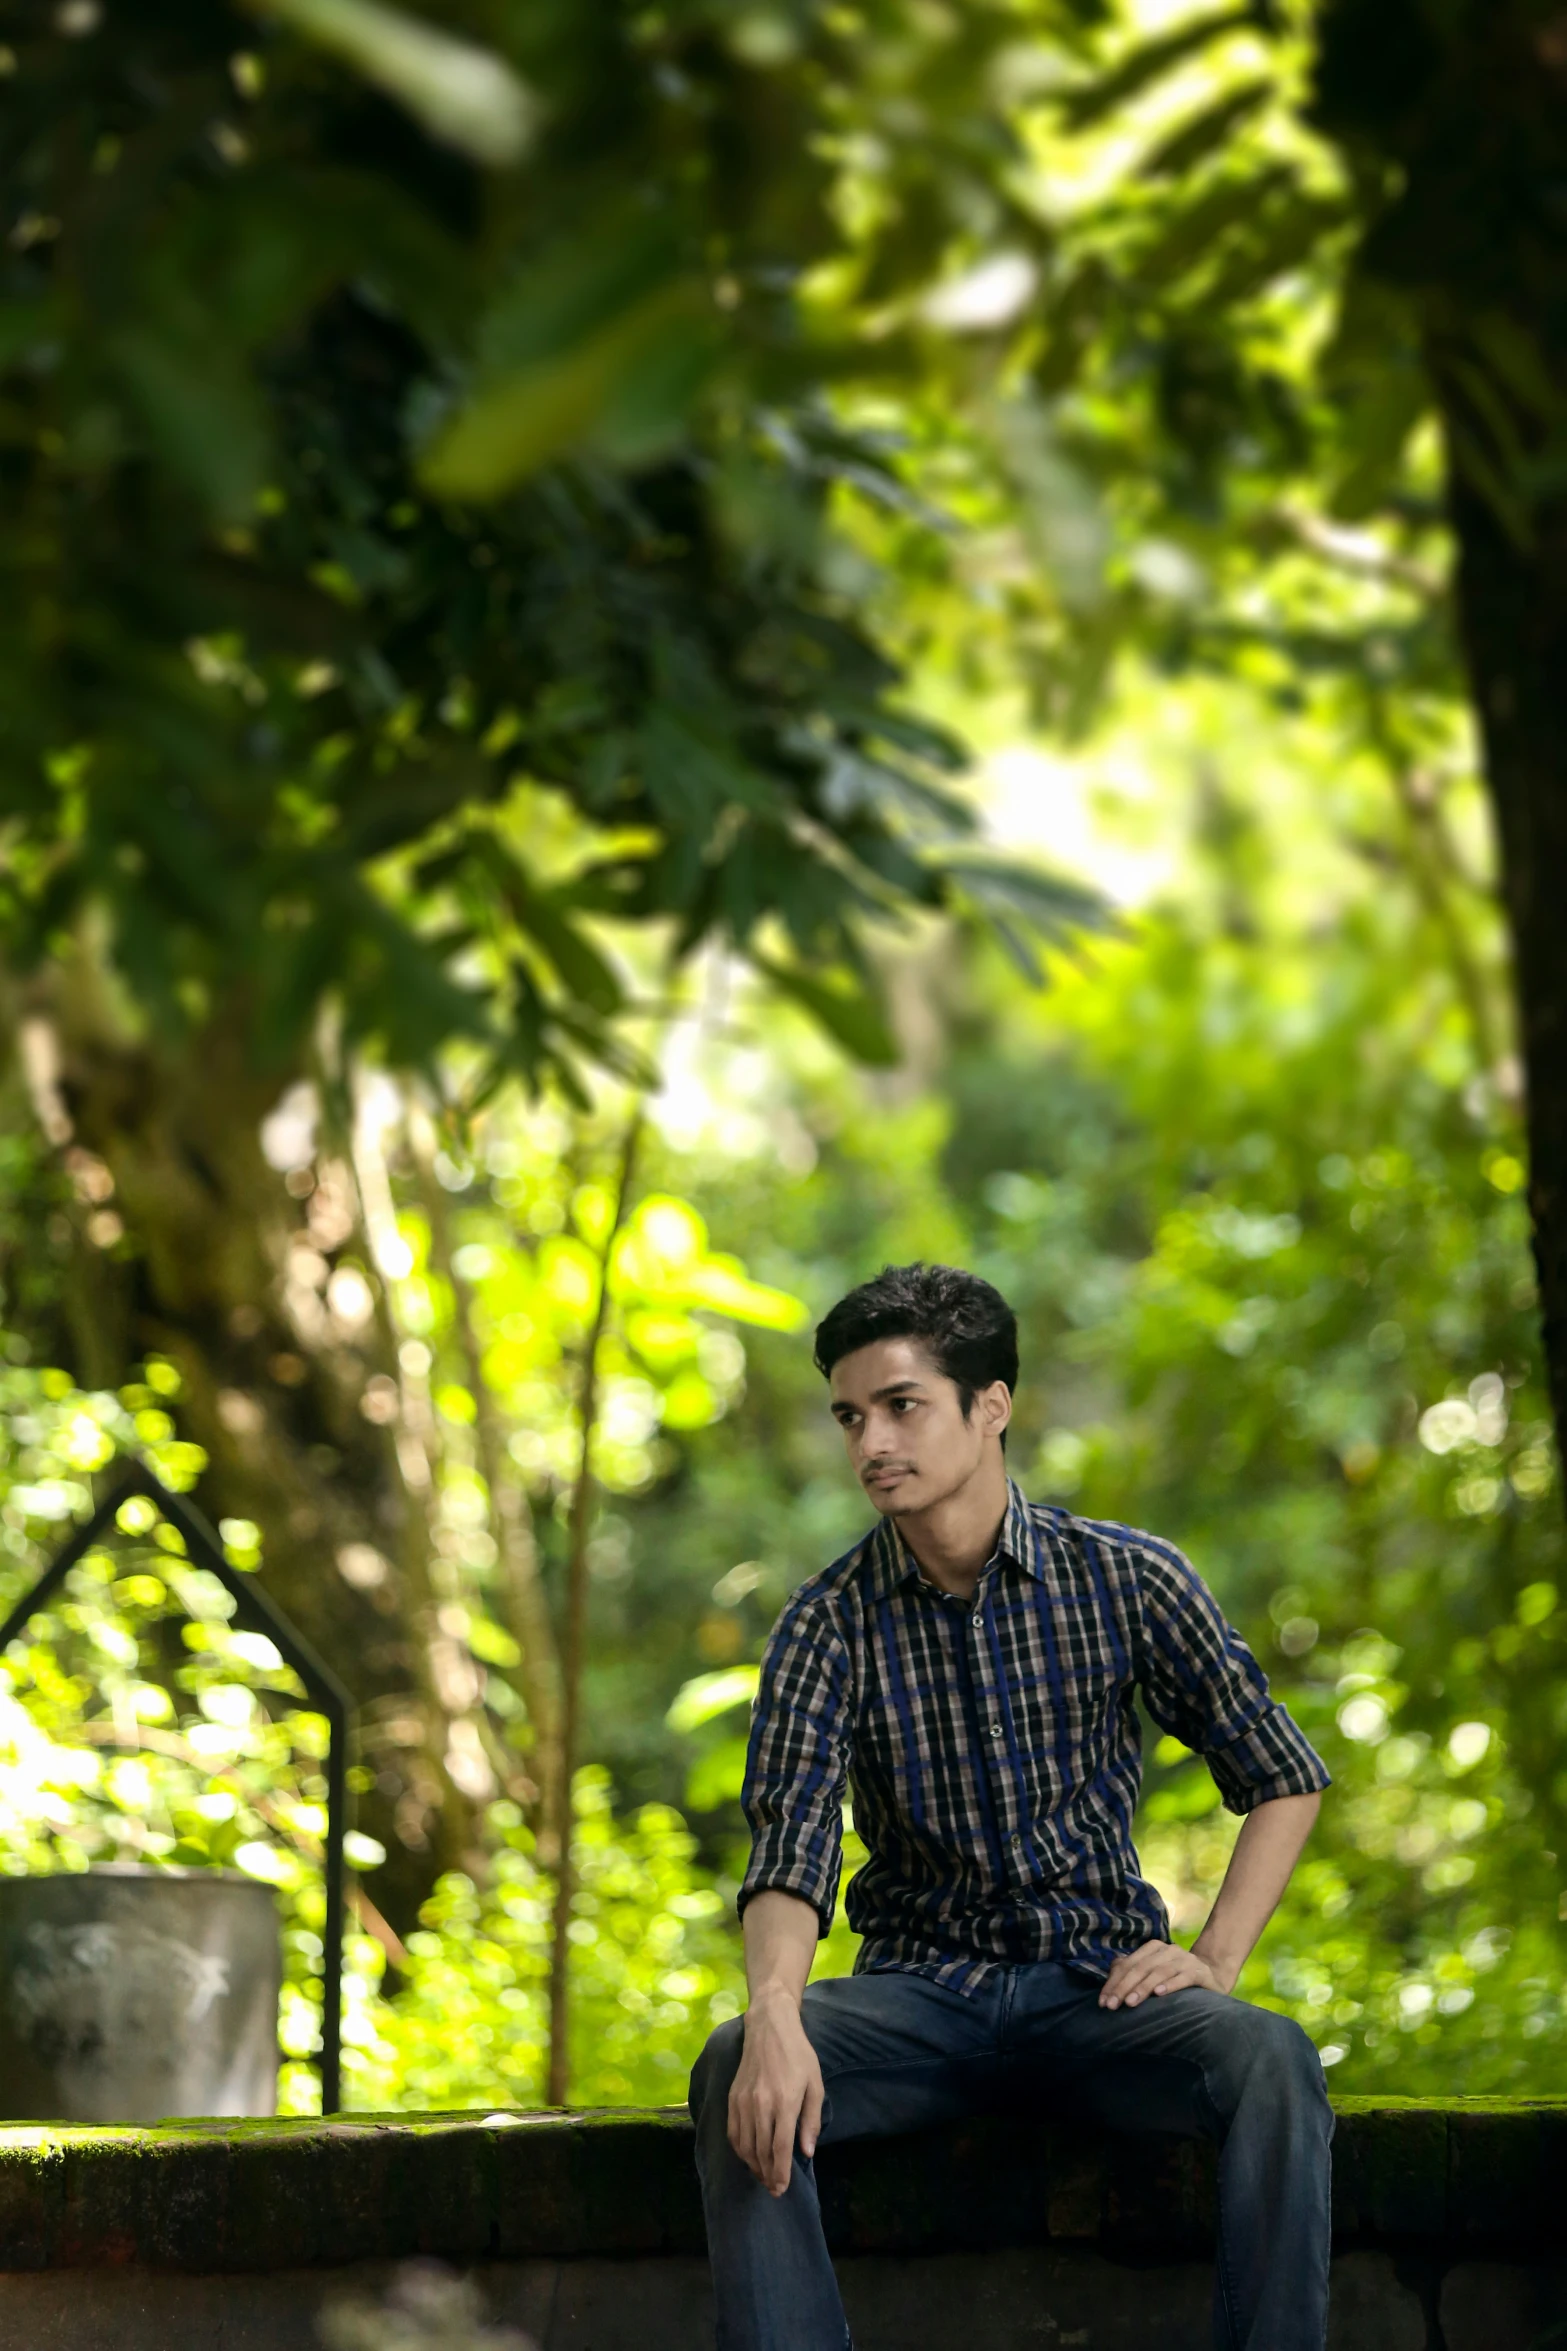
x=1450 y=2226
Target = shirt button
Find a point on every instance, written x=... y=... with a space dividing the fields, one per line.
x=995 y=1730
x=978 y=1620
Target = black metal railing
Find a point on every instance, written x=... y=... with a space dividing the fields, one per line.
x=131 y=1478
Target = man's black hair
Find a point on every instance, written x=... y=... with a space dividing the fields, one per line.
x=967 y=1325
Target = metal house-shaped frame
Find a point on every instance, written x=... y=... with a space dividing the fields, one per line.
x=131 y=1478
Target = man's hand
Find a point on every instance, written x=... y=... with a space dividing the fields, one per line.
x=777 y=2090
x=1158 y=1967
x=1266 y=1851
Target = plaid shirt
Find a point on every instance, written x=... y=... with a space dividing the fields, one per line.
x=992 y=1745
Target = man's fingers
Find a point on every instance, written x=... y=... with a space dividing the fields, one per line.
x=1169 y=1970
x=1124 y=1978
x=1150 y=1979
x=742 y=2134
x=766 y=2134
x=811 y=2117
x=1157 y=1967
x=762 y=2124
x=754 y=2145
x=1187 y=1971
x=781 y=2153
x=1156 y=1980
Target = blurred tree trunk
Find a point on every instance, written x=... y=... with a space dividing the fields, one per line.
x=1513 y=606
x=1497 y=337
x=574 y=1646
x=1455 y=125
x=222 y=1271
x=521 y=1598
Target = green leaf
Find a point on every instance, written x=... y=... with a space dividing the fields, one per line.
x=844 y=1003
x=722 y=1285
x=717 y=1778
x=511 y=428
x=1284 y=234
x=1191 y=235
x=691 y=770
x=538 y=912
x=1092 y=102
x=1376 y=431
x=857 y=785
x=609 y=1047
x=711 y=1694
x=1049 y=903
x=564 y=292
x=1211 y=127
x=1062 y=512
x=465 y=95
x=202 y=413
x=1071 y=317
x=1376 y=369
x=648 y=405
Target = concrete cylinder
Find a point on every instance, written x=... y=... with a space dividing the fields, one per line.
x=130 y=1994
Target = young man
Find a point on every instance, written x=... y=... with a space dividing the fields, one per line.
x=969 y=1669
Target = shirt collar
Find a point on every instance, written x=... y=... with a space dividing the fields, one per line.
x=892 y=1562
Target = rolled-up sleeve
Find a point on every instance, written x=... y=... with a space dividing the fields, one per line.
x=1202 y=1682
x=797 y=1762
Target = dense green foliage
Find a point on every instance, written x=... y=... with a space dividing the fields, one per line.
x=138 y=1725
x=264 y=348
x=1262 y=1218
x=1266 y=1230
x=500 y=581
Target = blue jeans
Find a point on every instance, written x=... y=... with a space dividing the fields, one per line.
x=898 y=2052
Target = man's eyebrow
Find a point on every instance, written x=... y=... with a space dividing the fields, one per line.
x=893 y=1388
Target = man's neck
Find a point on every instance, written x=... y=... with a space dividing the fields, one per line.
x=955 y=1539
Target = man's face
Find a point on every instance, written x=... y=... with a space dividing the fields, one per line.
x=903 y=1426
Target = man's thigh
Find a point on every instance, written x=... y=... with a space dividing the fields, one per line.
x=898 y=2052
x=1179 y=2062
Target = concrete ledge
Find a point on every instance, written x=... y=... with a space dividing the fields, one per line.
x=1468 y=2179
x=1043 y=2299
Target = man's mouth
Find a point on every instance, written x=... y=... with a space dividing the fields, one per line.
x=887 y=1476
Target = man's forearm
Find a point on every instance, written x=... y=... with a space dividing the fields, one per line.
x=781 y=1934
x=777 y=2091
x=1265 y=1854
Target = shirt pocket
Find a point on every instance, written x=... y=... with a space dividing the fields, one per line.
x=891 y=1750
x=1068 y=1707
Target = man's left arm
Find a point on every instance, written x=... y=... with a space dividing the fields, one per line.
x=1265 y=1854
x=1201 y=1681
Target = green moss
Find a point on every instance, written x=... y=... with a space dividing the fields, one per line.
x=1472 y=2173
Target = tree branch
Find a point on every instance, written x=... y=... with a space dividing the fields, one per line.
x=576 y=1615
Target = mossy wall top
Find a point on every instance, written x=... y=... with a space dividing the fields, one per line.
x=1465 y=2177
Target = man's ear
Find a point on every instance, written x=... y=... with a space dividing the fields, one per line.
x=995 y=1403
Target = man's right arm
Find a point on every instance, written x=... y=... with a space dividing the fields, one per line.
x=777 y=2092
x=795 y=1775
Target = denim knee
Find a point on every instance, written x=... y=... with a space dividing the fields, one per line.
x=1277 y=2050
x=716 y=2068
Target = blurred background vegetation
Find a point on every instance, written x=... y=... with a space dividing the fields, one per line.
x=659 y=655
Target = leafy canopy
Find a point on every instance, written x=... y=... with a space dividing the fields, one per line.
x=357 y=495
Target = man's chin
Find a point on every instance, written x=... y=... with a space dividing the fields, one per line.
x=895 y=1497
